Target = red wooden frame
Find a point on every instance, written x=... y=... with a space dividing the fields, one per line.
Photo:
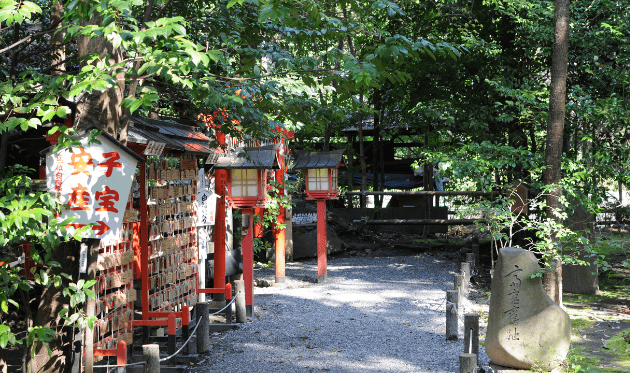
x=330 y=193
x=249 y=202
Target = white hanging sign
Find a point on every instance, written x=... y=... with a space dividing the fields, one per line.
x=93 y=184
x=206 y=212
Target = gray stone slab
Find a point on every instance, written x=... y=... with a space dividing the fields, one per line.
x=525 y=327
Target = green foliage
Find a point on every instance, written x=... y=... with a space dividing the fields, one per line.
x=276 y=201
x=549 y=237
x=27 y=216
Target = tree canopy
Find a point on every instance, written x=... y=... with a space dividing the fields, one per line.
x=469 y=80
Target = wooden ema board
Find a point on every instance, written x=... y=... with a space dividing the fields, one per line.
x=172 y=214
x=114 y=291
x=173 y=265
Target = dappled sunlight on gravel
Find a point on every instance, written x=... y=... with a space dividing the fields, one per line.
x=382 y=314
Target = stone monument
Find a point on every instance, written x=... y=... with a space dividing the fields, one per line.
x=526 y=328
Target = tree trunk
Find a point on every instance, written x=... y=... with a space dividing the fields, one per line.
x=59 y=52
x=376 y=140
x=51 y=303
x=102 y=109
x=362 y=154
x=555 y=128
x=133 y=82
x=350 y=168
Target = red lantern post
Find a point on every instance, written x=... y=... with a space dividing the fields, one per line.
x=247 y=190
x=321 y=185
x=220 y=184
x=279 y=230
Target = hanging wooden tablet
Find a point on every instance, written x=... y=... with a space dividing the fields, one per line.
x=133 y=295
x=116 y=280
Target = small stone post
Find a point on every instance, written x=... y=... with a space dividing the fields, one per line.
x=241 y=311
x=467 y=363
x=471 y=333
x=465 y=268
x=151 y=357
x=470 y=258
x=452 y=302
x=475 y=249
x=458 y=285
x=203 y=333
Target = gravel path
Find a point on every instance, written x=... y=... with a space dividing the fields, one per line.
x=374 y=314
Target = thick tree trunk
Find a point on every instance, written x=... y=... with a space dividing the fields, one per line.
x=102 y=109
x=555 y=128
x=59 y=53
x=51 y=303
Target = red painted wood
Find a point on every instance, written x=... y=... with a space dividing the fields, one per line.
x=144 y=240
x=172 y=326
x=220 y=182
x=321 y=238
x=279 y=235
x=121 y=353
x=258 y=227
x=185 y=316
x=104 y=352
x=228 y=291
x=159 y=322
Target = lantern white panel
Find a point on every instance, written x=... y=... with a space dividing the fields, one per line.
x=318 y=179
x=244 y=183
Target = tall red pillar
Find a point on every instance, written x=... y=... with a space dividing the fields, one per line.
x=248 y=260
x=278 y=233
x=258 y=227
x=220 y=185
x=279 y=230
x=322 y=260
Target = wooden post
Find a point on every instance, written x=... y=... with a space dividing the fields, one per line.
x=279 y=234
x=203 y=333
x=452 y=324
x=220 y=180
x=241 y=312
x=322 y=260
x=172 y=337
x=228 y=309
x=121 y=356
x=471 y=333
x=185 y=328
x=151 y=357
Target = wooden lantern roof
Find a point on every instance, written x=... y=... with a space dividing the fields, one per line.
x=330 y=159
x=244 y=158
